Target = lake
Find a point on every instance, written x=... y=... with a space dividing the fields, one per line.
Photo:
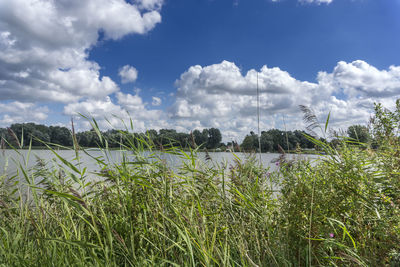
x=10 y=160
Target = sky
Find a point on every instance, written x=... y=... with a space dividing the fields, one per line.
x=193 y=64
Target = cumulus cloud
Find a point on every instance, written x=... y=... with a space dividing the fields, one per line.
x=128 y=74
x=359 y=79
x=98 y=108
x=113 y=114
x=15 y=112
x=44 y=45
x=150 y=4
x=221 y=96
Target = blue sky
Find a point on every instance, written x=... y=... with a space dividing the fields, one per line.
x=193 y=63
x=299 y=38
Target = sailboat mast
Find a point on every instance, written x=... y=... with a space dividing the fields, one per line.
x=258 y=120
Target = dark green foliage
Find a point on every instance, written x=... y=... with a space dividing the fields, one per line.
x=199 y=138
x=272 y=139
x=37 y=133
x=208 y=138
x=60 y=135
x=359 y=133
x=214 y=138
x=250 y=142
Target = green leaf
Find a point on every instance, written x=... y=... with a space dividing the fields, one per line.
x=327 y=121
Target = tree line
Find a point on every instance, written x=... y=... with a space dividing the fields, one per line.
x=39 y=134
x=274 y=139
x=270 y=141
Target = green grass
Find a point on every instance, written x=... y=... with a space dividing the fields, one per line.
x=341 y=211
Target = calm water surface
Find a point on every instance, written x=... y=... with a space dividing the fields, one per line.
x=11 y=160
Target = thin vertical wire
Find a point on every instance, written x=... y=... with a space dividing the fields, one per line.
x=287 y=138
x=258 y=120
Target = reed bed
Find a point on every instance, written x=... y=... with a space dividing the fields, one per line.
x=341 y=211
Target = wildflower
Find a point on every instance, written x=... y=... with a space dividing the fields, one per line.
x=331 y=235
x=277 y=163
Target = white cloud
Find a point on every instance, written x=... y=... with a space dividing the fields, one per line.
x=110 y=114
x=128 y=74
x=156 y=101
x=221 y=96
x=138 y=110
x=359 y=79
x=150 y=4
x=44 y=45
x=16 y=112
x=94 y=108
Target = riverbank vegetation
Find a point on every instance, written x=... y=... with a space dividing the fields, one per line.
x=206 y=139
x=209 y=138
x=342 y=210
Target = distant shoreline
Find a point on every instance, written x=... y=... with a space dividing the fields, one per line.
x=290 y=152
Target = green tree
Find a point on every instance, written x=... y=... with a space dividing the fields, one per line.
x=267 y=143
x=199 y=138
x=303 y=141
x=167 y=137
x=204 y=134
x=60 y=135
x=359 y=133
x=386 y=125
x=152 y=134
x=28 y=131
x=214 y=138
x=278 y=138
x=249 y=142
